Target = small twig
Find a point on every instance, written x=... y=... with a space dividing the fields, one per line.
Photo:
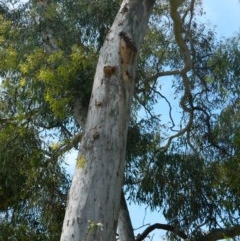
x=147 y=224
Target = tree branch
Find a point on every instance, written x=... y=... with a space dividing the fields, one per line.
x=169 y=105
x=163 y=227
x=63 y=148
x=69 y=145
x=186 y=100
x=164 y=73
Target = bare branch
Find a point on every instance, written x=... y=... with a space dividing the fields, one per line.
x=169 y=105
x=163 y=227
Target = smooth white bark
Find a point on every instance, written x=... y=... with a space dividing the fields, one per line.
x=125 y=229
x=94 y=198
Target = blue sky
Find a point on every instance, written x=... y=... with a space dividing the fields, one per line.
x=225 y=16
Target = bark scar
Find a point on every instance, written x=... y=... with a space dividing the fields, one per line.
x=131 y=44
x=109 y=71
x=127 y=54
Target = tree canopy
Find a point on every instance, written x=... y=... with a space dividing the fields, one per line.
x=187 y=168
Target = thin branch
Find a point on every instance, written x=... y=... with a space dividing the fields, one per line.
x=180 y=133
x=148 y=111
x=169 y=105
x=163 y=227
x=144 y=225
x=154 y=78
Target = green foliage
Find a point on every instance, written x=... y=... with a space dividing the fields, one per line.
x=33 y=189
x=38 y=92
x=20 y=151
x=193 y=183
x=63 y=78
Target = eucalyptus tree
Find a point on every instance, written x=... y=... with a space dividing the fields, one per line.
x=38 y=92
x=50 y=105
x=89 y=218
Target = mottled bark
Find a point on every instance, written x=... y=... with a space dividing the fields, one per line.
x=94 y=198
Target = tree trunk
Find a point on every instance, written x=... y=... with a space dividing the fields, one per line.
x=94 y=198
x=125 y=229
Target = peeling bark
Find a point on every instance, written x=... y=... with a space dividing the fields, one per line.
x=94 y=199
